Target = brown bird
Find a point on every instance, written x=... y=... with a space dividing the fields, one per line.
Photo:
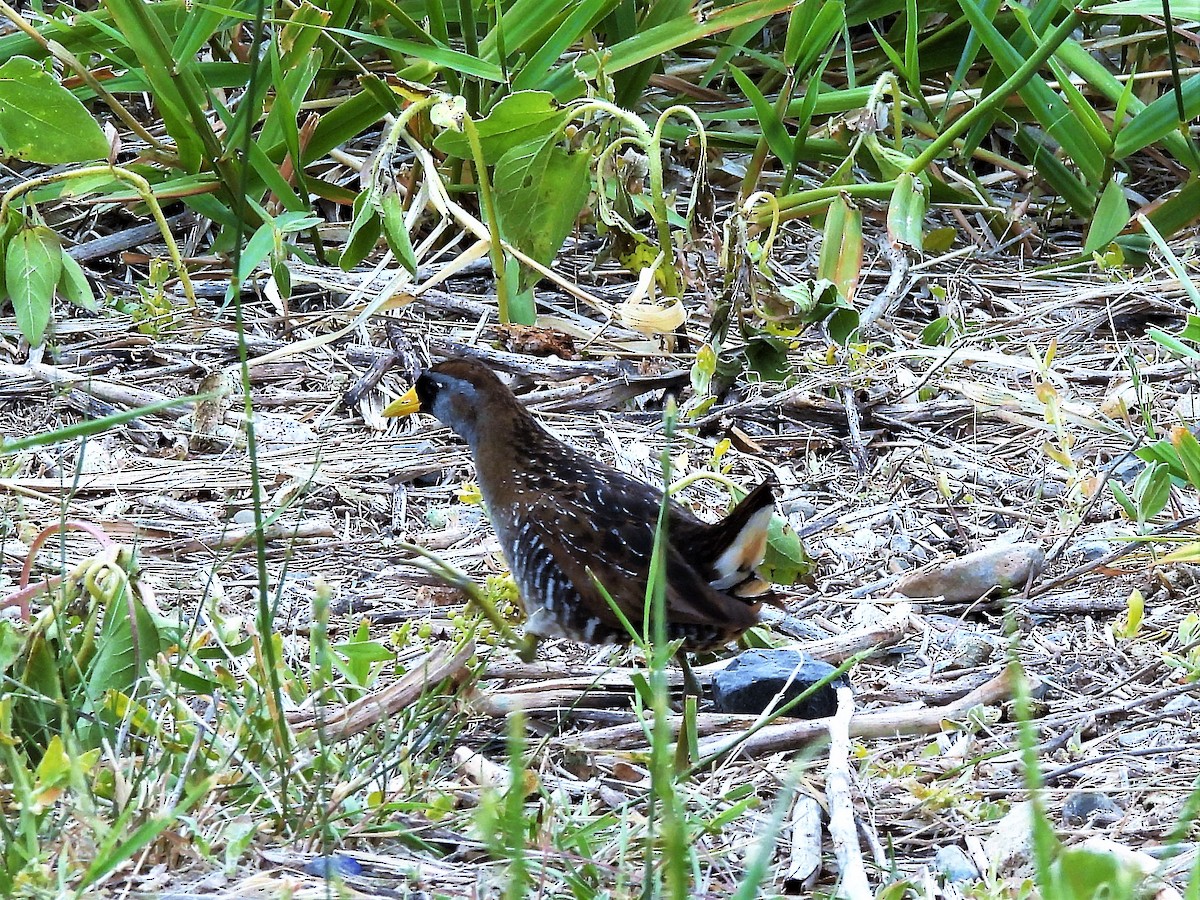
x=566 y=521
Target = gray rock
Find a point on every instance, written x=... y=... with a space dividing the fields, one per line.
x=1091 y=550
x=1090 y=807
x=965 y=579
x=952 y=861
x=750 y=683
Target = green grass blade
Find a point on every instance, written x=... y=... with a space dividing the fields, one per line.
x=1158 y=120
x=1045 y=105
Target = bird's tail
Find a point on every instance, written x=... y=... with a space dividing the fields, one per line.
x=732 y=549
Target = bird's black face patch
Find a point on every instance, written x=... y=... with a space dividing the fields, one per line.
x=427 y=391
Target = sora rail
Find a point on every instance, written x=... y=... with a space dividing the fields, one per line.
x=566 y=521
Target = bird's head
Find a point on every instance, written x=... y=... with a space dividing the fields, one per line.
x=464 y=394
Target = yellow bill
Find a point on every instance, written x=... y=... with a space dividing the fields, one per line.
x=405 y=405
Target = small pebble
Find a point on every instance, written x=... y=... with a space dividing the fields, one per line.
x=952 y=861
x=1183 y=703
x=1090 y=551
x=1128 y=470
x=1090 y=807
x=334 y=864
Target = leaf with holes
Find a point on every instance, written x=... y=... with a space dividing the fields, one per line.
x=41 y=121
x=519 y=119
x=540 y=189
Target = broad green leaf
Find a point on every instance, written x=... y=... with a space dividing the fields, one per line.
x=1152 y=489
x=906 y=212
x=1123 y=499
x=786 y=561
x=539 y=191
x=364 y=233
x=32 y=266
x=932 y=334
x=1191 y=331
x=767 y=358
x=74 y=285
x=516 y=120
x=1188 y=450
x=255 y=252
x=128 y=640
x=12 y=642
x=1112 y=215
x=41 y=121
x=396 y=232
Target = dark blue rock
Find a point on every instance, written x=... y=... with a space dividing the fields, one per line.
x=333 y=865
x=749 y=683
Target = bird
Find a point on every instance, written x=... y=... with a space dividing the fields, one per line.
x=571 y=527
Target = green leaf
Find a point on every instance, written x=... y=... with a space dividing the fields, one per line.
x=1159 y=119
x=41 y=121
x=364 y=233
x=1152 y=489
x=32 y=266
x=1188 y=449
x=933 y=333
x=518 y=119
x=1122 y=498
x=396 y=232
x=1191 y=331
x=12 y=642
x=570 y=31
x=786 y=561
x=1130 y=622
x=178 y=95
x=539 y=190
x=74 y=285
x=767 y=358
x=778 y=139
x=441 y=56
x=841 y=255
x=1049 y=108
x=128 y=640
x=906 y=212
x=1112 y=215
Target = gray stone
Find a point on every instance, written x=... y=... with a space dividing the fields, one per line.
x=1090 y=808
x=751 y=681
x=952 y=861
